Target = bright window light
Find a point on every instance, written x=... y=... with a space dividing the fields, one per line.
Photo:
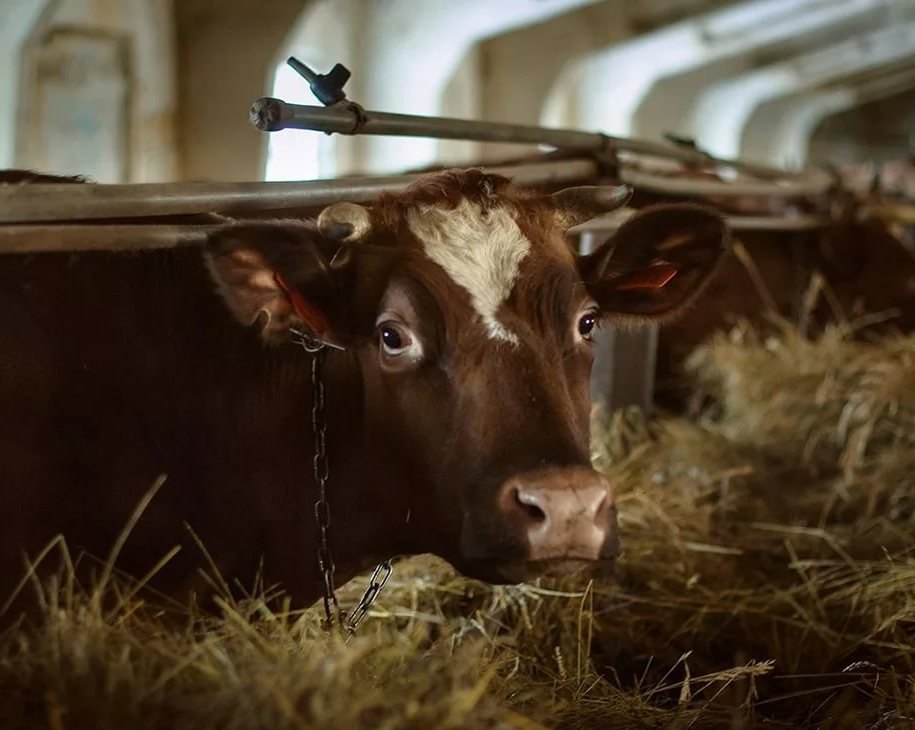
x=292 y=154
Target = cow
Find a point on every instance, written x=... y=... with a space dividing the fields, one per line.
x=457 y=323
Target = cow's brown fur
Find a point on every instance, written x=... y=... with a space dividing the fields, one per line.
x=118 y=368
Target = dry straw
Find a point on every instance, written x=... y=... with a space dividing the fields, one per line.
x=767 y=581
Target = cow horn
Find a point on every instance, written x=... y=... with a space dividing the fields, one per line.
x=580 y=204
x=345 y=222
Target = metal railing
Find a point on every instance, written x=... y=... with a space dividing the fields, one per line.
x=56 y=217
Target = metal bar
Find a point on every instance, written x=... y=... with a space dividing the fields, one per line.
x=99 y=237
x=38 y=238
x=721 y=188
x=46 y=203
x=271 y=115
x=787 y=224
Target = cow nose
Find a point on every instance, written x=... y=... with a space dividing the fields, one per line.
x=564 y=513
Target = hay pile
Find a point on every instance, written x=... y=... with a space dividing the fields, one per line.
x=768 y=581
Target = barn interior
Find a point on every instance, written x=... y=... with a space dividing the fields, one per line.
x=761 y=447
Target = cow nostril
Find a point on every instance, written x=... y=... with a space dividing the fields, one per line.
x=530 y=506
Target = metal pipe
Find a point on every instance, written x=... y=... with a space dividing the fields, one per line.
x=787 y=224
x=44 y=238
x=99 y=237
x=52 y=202
x=784 y=224
x=721 y=188
x=271 y=115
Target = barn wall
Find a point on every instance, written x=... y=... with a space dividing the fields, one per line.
x=409 y=55
x=463 y=98
x=97 y=91
x=226 y=53
x=520 y=67
x=16 y=22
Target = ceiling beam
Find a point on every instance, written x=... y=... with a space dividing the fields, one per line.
x=720 y=114
x=605 y=89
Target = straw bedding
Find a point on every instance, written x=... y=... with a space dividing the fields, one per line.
x=768 y=581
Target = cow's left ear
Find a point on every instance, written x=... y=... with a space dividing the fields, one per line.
x=284 y=275
x=657 y=262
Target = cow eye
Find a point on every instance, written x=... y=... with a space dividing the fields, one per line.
x=586 y=324
x=393 y=340
x=398 y=347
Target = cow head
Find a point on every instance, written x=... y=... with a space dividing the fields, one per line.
x=469 y=319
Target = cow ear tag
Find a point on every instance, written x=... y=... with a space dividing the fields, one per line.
x=653 y=277
x=313 y=317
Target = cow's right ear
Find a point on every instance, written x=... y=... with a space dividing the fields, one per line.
x=657 y=262
x=283 y=275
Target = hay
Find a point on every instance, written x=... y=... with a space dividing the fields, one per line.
x=767 y=580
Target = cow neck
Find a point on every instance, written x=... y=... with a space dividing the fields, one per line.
x=333 y=614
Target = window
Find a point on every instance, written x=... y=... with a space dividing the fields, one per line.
x=293 y=154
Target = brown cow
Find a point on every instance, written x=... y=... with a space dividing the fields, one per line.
x=457 y=410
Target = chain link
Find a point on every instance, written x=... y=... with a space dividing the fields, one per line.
x=371 y=593
x=321 y=466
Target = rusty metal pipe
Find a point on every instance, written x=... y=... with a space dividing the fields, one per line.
x=99 y=237
x=45 y=238
x=271 y=115
x=722 y=188
x=53 y=203
x=784 y=224
x=47 y=203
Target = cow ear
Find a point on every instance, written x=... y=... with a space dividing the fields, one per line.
x=657 y=262
x=282 y=276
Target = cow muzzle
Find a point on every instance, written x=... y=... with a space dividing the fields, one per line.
x=565 y=514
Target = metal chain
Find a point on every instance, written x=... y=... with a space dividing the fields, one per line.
x=322 y=506
x=371 y=593
x=332 y=613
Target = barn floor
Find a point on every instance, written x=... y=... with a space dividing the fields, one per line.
x=768 y=581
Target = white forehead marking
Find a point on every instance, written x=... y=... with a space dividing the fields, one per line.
x=481 y=251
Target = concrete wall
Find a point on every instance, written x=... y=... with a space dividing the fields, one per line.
x=411 y=52
x=226 y=55
x=463 y=98
x=519 y=68
x=144 y=30
x=17 y=19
